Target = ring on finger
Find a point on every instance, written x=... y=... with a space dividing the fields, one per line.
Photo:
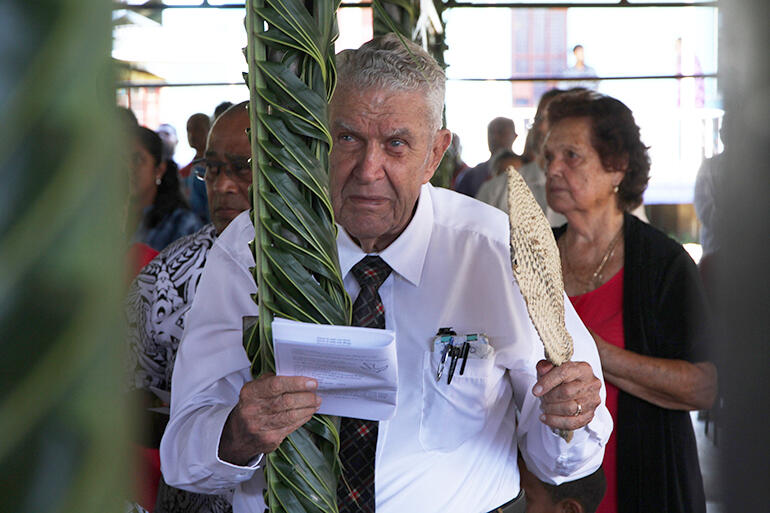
x=579 y=409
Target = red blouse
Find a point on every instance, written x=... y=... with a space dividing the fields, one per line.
x=601 y=310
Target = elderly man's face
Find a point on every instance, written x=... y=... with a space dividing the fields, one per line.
x=384 y=150
x=228 y=146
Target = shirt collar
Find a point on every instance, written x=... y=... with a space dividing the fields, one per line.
x=405 y=255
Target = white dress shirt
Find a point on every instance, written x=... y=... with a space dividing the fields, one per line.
x=449 y=448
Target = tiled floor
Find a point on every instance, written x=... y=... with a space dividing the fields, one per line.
x=709 y=464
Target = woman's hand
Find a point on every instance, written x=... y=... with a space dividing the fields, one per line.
x=664 y=382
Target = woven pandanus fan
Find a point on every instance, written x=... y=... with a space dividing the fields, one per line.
x=537 y=268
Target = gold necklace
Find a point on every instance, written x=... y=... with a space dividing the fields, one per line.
x=592 y=283
x=607 y=254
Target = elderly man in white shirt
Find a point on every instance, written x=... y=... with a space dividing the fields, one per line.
x=448 y=448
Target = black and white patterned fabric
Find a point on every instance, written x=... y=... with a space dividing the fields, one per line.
x=174 y=500
x=156 y=306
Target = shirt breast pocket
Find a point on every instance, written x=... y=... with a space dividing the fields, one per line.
x=452 y=414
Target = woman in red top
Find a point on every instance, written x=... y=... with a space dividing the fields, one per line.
x=637 y=291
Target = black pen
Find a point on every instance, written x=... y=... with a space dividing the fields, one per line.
x=466 y=348
x=471 y=337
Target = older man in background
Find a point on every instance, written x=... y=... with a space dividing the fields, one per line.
x=501 y=133
x=161 y=295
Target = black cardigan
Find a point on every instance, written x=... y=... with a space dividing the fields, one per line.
x=665 y=316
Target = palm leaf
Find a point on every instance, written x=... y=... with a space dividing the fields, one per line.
x=291 y=77
x=398 y=16
x=61 y=250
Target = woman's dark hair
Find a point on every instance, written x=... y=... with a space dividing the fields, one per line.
x=614 y=136
x=169 y=196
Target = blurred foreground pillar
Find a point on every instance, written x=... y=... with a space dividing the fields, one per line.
x=62 y=421
x=742 y=279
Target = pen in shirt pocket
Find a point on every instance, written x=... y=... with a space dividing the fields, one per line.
x=444 y=339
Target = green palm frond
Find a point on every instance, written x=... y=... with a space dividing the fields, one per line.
x=398 y=16
x=291 y=77
x=63 y=427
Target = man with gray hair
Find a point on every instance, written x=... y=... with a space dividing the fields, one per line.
x=501 y=133
x=416 y=259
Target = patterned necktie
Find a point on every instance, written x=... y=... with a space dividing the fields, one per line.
x=358 y=438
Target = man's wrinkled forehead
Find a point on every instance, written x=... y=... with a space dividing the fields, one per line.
x=343 y=125
x=382 y=111
x=377 y=97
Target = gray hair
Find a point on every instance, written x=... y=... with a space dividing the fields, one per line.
x=390 y=63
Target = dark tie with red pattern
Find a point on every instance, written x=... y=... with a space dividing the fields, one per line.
x=358 y=438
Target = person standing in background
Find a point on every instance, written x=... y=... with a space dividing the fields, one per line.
x=580 y=70
x=708 y=188
x=455 y=151
x=158 y=214
x=708 y=183
x=160 y=297
x=197 y=131
x=501 y=133
x=221 y=108
x=639 y=293
x=168 y=135
x=495 y=190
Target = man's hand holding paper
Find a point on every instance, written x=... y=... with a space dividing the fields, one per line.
x=335 y=370
x=356 y=368
x=268 y=410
